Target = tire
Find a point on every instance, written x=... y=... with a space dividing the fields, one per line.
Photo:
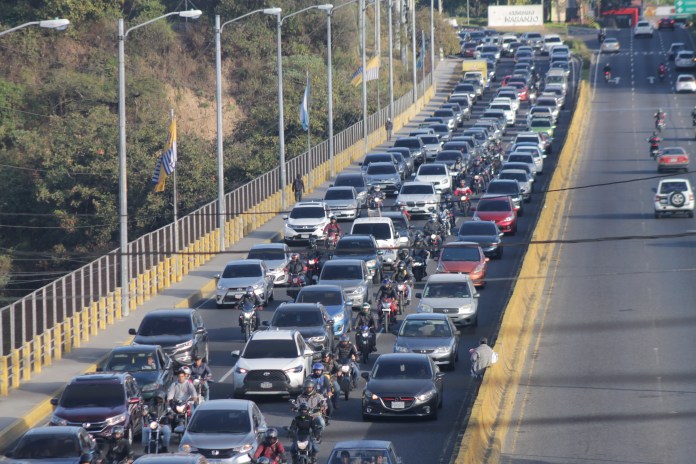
x=129 y=434
x=346 y=395
x=365 y=356
x=657 y=215
x=690 y=214
x=677 y=199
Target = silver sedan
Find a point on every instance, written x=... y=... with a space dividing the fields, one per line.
x=432 y=334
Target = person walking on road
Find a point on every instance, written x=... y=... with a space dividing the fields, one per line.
x=482 y=357
x=389 y=126
x=298 y=187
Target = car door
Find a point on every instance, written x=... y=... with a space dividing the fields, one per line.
x=269 y=280
x=201 y=335
x=302 y=348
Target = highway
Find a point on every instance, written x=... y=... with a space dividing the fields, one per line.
x=611 y=377
x=437 y=440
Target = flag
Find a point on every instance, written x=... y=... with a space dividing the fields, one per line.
x=167 y=162
x=371 y=74
x=304 y=107
x=421 y=55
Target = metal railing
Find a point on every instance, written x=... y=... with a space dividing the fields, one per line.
x=56 y=318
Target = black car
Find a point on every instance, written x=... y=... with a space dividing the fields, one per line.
x=406 y=155
x=356 y=180
x=180 y=332
x=99 y=402
x=485 y=233
x=310 y=319
x=402 y=226
x=362 y=247
x=59 y=445
x=153 y=369
x=402 y=384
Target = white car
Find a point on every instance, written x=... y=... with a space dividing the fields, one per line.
x=685 y=60
x=550 y=41
x=674 y=196
x=239 y=275
x=643 y=28
x=437 y=174
x=685 y=83
x=610 y=45
x=418 y=198
x=306 y=220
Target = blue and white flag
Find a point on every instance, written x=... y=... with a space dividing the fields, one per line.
x=167 y=162
x=421 y=56
x=304 y=107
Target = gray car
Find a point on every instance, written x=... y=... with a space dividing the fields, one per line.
x=238 y=276
x=225 y=430
x=310 y=319
x=343 y=202
x=450 y=294
x=409 y=161
x=414 y=144
x=351 y=275
x=431 y=334
x=432 y=145
x=523 y=179
x=385 y=175
x=276 y=256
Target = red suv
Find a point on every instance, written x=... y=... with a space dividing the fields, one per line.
x=500 y=210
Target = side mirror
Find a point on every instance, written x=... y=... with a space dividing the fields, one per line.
x=132 y=332
x=201 y=331
x=54 y=401
x=365 y=375
x=216 y=276
x=457 y=332
x=500 y=234
x=439 y=375
x=285 y=217
x=236 y=353
x=261 y=429
x=265 y=323
x=477 y=294
x=419 y=295
x=349 y=303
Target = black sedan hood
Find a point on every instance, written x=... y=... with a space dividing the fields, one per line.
x=480 y=239
x=399 y=387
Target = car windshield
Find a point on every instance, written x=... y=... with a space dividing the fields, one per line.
x=354 y=247
x=327 y=298
x=417 y=190
x=527 y=138
x=379 y=230
x=477 y=228
x=260 y=349
x=224 y=421
x=43 y=447
x=430 y=140
x=292 y=318
x=540 y=122
x=502 y=187
x=669 y=187
x=408 y=143
x=492 y=206
x=358 y=456
x=400 y=369
x=349 y=181
x=443 y=114
x=266 y=254
x=518 y=176
x=432 y=170
x=381 y=169
x=130 y=362
x=103 y=395
x=338 y=194
x=165 y=325
x=234 y=271
x=420 y=328
x=446 y=290
x=460 y=253
x=610 y=40
x=341 y=272
x=308 y=213
x=448 y=156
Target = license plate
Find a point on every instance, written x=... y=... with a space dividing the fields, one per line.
x=398 y=405
x=266 y=385
x=302 y=236
x=673 y=160
x=238 y=295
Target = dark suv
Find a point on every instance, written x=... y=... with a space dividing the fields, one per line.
x=99 y=402
x=180 y=332
x=362 y=247
x=310 y=319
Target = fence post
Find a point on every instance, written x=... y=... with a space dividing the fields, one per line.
x=4 y=377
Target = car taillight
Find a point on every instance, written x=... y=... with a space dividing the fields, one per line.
x=657 y=197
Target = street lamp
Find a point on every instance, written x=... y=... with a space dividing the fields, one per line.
x=413 y=47
x=222 y=213
x=122 y=173
x=57 y=24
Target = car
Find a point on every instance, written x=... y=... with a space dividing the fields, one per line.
x=499 y=187
x=154 y=379
x=485 y=233
x=355 y=180
x=673 y=159
x=563 y=66
x=414 y=144
x=539 y=111
x=360 y=451
x=450 y=294
x=342 y=202
x=555 y=90
x=306 y=221
x=534 y=39
x=335 y=303
x=467 y=49
x=403 y=384
x=674 y=196
x=675 y=48
x=361 y=247
x=99 y=402
x=180 y=332
x=610 y=45
x=526 y=167
x=643 y=28
x=549 y=41
x=375 y=157
x=510 y=93
x=541 y=124
x=310 y=319
x=383 y=230
x=403 y=227
x=450 y=157
x=276 y=256
x=549 y=102
x=665 y=23
x=172 y=458
x=432 y=145
x=461 y=147
x=685 y=83
x=384 y=174
x=442 y=131
x=273 y=362
x=464 y=258
x=524 y=180
x=55 y=445
x=466 y=89
x=224 y=431
x=436 y=173
x=521 y=157
x=431 y=334
x=463 y=110
x=419 y=198
x=239 y=275
x=510 y=113
x=499 y=209
x=685 y=60
x=351 y=275
x=448 y=115
x=556 y=77
x=533 y=137
x=408 y=160
x=493 y=49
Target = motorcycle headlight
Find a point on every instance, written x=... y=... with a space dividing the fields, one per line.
x=440 y=268
x=245 y=448
x=154 y=425
x=115 y=419
x=55 y=420
x=302 y=445
x=258 y=286
x=400 y=349
x=180 y=408
x=424 y=308
x=320 y=339
x=295 y=370
x=426 y=396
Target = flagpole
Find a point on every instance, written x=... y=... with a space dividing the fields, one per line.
x=309 y=138
x=364 y=74
x=176 y=212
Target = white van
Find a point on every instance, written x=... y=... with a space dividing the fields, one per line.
x=382 y=229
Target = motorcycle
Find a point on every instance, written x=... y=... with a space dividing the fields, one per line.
x=654 y=151
x=659 y=124
x=387 y=312
x=202 y=386
x=313 y=269
x=345 y=380
x=434 y=244
x=401 y=292
x=418 y=268
x=661 y=74
x=182 y=413
x=374 y=206
x=155 y=442
x=607 y=76
x=314 y=412
x=464 y=204
x=249 y=321
x=302 y=451
x=362 y=342
x=295 y=282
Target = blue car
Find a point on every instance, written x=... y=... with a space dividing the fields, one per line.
x=331 y=296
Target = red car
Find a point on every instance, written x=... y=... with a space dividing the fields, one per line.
x=673 y=159
x=522 y=89
x=666 y=23
x=464 y=258
x=505 y=80
x=500 y=210
x=469 y=49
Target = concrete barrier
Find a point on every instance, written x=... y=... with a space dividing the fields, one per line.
x=490 y=416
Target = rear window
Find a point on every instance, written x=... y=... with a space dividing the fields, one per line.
x=502 y=187
x=430 y=140
x=43 y=447
x=267 y=254
x=379 y=230
x=460 y=253
x=520 y=159
x=381 y=169
x=486 y=205
x=294 y=318
x=518 y=176
x=408 y=143
x=669 y=187
x=338 y=194
x=477 y=228
x=349 y=181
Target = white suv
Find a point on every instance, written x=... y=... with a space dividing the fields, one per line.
x=274 y=362
x=643 y=28
x=674 y=196
x=306 y=221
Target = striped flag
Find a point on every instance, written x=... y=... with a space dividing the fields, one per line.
x=167 y=162
x=304 y=107
x=421 y=56
x=371 y=74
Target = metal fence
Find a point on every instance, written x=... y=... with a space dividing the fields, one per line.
x=60 y=316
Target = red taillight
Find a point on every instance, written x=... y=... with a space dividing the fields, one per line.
x=657 y=197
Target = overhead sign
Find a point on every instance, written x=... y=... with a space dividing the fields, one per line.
x=684 y=6
x=516 y=15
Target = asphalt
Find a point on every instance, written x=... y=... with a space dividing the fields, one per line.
x=29 y=405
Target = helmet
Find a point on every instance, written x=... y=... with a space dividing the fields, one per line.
x=344 y=338
x=295 y=256
x=332 y=218
x=250 y=291
x=433 y=217
x=318 y=366
x=186 y=370
x=308 y=386
x=402 y=265
x=263 y=460
x=304 y=408
x=118 y=432
x=654 y=134
x=365 y=308
x=386 y=282
x=377 y=188
x=448 y=197
x=325 y=354
x=462 y=182
x=272 y=434
x=403 y=253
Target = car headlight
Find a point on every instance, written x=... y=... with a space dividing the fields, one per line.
x=151 y=387
x=371 y=396
x=186 y=448
x=294 y=370
x=509 y=218
x=240 y=370
x=221 y=287
x=424 y=308
x=441 y=349
x=257 y=286
x=479 y=268
x=116 y=419
x=440 y=268
x=426 y=396
x=245 y=448
x=184 y=346
x=55 y=420
x=339 y=318
x=320 y=339
x=356 y=290
x=464 y=309
x=372 y=263
x=400 y=349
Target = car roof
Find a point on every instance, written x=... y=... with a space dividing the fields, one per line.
x=134 y=348
x=362 y=444
x=462 y=244
x=343 y=262
x=358 y=237
x=290 y=306
x=447 y=277
x=226 y=404
x=350 y=175
x=426 y=316
x=515 y=171
x=165 y=312
x=273 y=335
x=239 y=262
x=100 y=377
x=340 y=187
x=53 y=430
x=272 y=246
x=171 y=458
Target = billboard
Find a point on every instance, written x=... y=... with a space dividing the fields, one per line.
x=515 y=15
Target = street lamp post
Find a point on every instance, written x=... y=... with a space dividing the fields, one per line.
x=391 y=67
x=57 y=24
x=122 y=172
x=413 y=47
x=364 y=73
x=432 y=41
x=222 y=213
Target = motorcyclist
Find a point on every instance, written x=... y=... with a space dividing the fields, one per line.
x=654 y=142
x=404 y=276
x=367 y=318
x=201 y=371
x=458 y=165
x=182 y=390
x=403 y=256
x=249 y=296
x=332 y=229
x=164 y=421
x=420 y=250
x=463 y=192
x=433 y=226
x=296 y=267
x=375 y=197
x=304 y=425
x=333 y=370
x=316 y=402
x=86 y=459
x=118 y=448
x=444 y=218
x=661 y=69
x=693 y=115
x=602 y=35
x=659 y=116
x=322 y=384
x=607 y=69
x=405 y=212
x=271 y=448
x=386 y=290
x=345 y=351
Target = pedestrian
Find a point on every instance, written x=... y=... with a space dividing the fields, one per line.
x=298 y=187
x=389 y=126
x=482 y=357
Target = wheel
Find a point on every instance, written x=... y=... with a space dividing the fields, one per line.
x=690 y=214
x=365 y=356
x=346 y=394
x=677 y=199
x=247 y=329
x=129 y=434
x=657 y=215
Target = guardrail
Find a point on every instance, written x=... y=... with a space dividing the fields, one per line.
x=61 y=316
